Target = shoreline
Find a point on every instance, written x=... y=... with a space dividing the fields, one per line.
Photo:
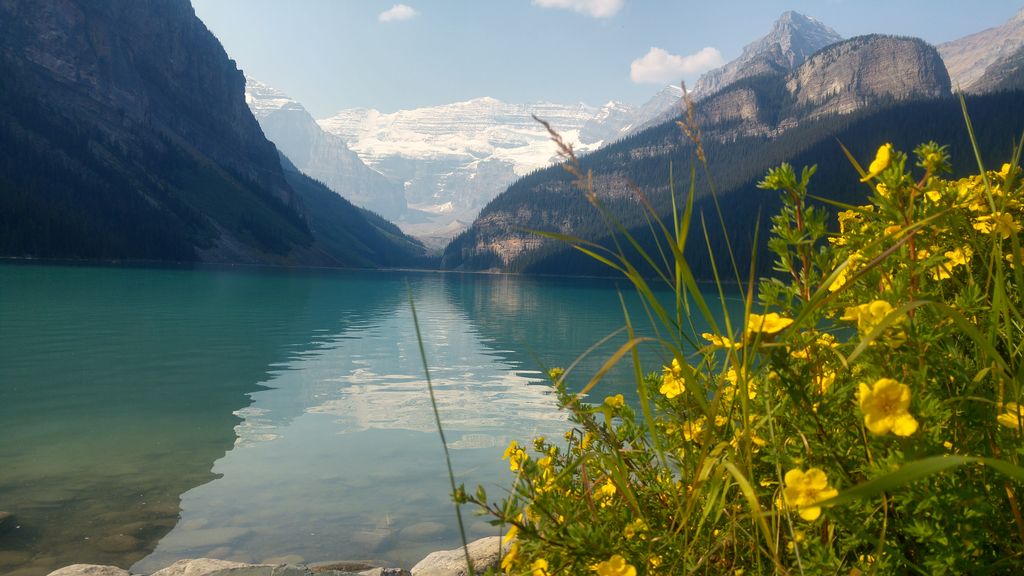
x=484 y=553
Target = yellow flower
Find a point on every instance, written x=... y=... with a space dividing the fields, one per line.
x=824 y=380
x=540 y=567
x=606 y=492
x=509 y=561
x=614 y=566
x=515 y=456
x=868 y=316
x=805 y=489
x=1000 y=223
x=720 y=341
x=770 y=323
x=882 y=159
x=635 y=527
x=882 y=190
x=959 y=257
x=556 y=373
x=729 y=392
x=511 y=534
x=693 y=430
x=616 y=401
x=846 y=272
x=885 y=407
x=672 y=380
x=1011 y=416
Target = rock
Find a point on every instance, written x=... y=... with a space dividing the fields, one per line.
x=484 y=553
x=341 y=566
x=118 y=543
x=423 y=531
x=211 y=537
x=384 y=572
x=6 y=520
x=286 y=559
x=89 y=570
x=209 y=567
x=198 y=567
x=14 y=557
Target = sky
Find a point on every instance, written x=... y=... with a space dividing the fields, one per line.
x=336 y=54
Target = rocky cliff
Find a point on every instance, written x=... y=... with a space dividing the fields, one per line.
x=320 y=155
x=839 y=79
x=968 y=58
x=1004 y=74
x=739 y=123
x=792 y=39
x=126 y=136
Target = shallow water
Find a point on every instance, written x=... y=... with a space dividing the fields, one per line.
x=149 y=414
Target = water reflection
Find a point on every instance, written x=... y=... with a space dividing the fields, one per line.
x=118 y=390
x=152 y=415
x=359 y=474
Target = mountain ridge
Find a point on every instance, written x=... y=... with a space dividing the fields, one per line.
x=127 y=137
x=835 y=81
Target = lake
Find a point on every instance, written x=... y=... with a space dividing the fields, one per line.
x=149 y=415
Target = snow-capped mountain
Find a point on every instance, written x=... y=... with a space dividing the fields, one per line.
x=454 y=158
x=320 y=155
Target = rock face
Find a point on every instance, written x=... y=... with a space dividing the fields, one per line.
x=840 y=79
x=864 y=70
x=109 y=104
x=89 y=570
x=320 y=155
x=968 y=58
x=843 y=78
x=1004 y=74
x=484 y=553
x=792 y=39
x=126 y=136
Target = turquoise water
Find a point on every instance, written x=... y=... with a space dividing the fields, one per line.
x=149 y=415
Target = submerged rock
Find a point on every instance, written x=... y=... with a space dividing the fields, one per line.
x=6 y=520
x=484 y=553
x=118 y=543
x=197 y=567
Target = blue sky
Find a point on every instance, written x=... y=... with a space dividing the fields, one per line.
x=335 y=54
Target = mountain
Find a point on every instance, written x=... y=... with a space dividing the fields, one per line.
x=320 y=155
x=968 y=58
x=1004 y=74
x=792 y=39
x=740 y=125
x=454 y=158
x=126 y=136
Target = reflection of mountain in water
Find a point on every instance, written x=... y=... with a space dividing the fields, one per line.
x=118 y=387
x=341 y=454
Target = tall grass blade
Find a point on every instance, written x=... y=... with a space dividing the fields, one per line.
x=440 y=430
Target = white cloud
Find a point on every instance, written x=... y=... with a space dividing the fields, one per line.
x=398 y=12
x=660 y=67
x=594 y=8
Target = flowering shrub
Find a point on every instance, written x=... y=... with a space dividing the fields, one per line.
x=862 y=417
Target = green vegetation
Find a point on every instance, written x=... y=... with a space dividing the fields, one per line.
x=550 y=199
x=861 y=417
